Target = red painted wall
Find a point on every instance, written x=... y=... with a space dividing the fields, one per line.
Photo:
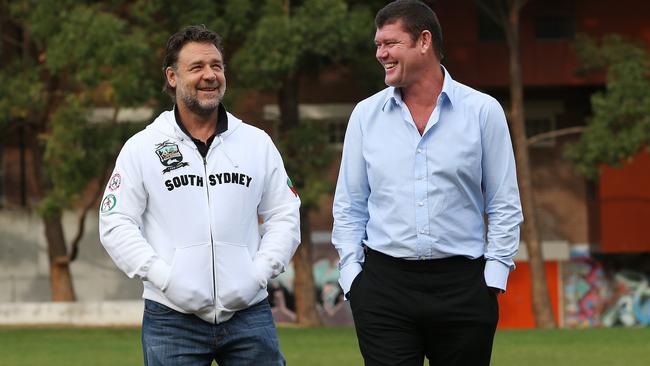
x=625 y=206
x=484 y=64
x=516 y=307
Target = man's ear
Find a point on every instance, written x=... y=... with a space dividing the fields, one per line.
x=425 y=41
x=171 y=76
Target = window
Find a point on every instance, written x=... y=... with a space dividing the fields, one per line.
x=336 y=131
x=555 y=28
x=541 y=116
x=488 y=29
x=536 y=126
x=554 y=20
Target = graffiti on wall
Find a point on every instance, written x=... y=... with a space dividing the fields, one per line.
x=631 y=305
x=593 y=297
x=585 y=293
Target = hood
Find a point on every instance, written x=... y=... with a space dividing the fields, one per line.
x=166 y=124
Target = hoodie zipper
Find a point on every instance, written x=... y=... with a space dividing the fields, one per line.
x=207 y=193
x=179 y=134
x=214 y=276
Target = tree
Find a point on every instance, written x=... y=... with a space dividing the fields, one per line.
x=288 y=42
x=506 y=14
x=620 y=124
x=61 y=58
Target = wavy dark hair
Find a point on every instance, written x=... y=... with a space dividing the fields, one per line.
x=192 y=33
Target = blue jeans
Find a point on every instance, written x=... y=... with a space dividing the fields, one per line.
x=173 y=338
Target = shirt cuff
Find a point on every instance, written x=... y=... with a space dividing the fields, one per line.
x=347 y=275
x=496 y=274
x=159 y=274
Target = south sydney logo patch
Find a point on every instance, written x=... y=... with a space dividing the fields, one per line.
x=170 y=156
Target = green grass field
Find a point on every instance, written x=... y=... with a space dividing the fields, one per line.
x=328 y=346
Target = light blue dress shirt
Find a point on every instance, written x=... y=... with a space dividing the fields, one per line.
x=426 y=196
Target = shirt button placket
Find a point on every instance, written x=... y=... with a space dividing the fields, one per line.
x=421 y=211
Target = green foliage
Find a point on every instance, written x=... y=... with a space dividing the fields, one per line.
x=288 y=42
x=73 y=56
x=620 y=124
x=157 y=20
x=76 y=152
x=308 y=153
x=316 y=33
x=235 y=18
x=229 y=18
x=70 y=56
x=21 y=93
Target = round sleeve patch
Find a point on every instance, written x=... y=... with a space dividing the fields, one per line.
x=108 y=203
x=115 y=182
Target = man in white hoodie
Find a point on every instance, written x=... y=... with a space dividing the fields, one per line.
x=182 y=212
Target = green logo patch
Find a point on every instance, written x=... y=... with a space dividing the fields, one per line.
x=108 y=203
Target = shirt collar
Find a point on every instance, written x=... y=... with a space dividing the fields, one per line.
x=394 y=96
x=222 y=121
x=448 y=87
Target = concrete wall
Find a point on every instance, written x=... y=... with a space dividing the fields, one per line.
x=106 y=313
x=24 y=268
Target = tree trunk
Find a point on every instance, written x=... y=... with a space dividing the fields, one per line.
x=60 y=277
x=288 y=103
x=541 y=301
x=305 y=291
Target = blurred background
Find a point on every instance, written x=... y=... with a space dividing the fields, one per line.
x=79 y=77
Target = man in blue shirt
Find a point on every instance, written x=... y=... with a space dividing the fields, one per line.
x=426 y=210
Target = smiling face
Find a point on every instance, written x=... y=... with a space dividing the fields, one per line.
x=403 y=58
x=198 y=77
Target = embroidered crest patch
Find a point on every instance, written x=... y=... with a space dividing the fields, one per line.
x=108 y=203
x=115 y=182
x=170 y=156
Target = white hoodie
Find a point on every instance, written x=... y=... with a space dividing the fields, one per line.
x=190 y=227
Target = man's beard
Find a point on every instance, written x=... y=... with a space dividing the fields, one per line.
x=192 y=103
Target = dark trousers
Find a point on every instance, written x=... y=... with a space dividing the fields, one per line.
x=441 y=308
